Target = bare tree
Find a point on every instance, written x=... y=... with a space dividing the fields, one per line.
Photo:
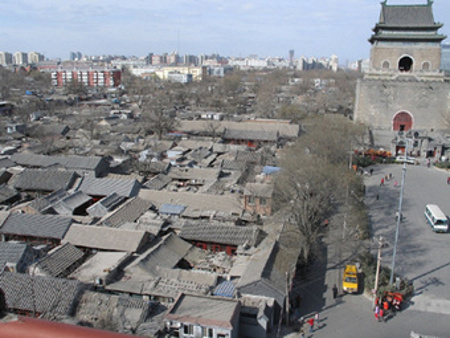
x=159 y=116
x=315 y=178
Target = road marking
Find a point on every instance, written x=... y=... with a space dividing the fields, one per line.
x=428 y=304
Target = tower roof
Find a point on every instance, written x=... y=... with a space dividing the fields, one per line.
x=407 y=15
x=407 y=23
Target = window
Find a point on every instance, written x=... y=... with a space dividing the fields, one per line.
x=262 y=201
x=426 y=65
x=405 y=64
x=207 y=332
x=385 y=65
x=188 y=329
x=251 y=200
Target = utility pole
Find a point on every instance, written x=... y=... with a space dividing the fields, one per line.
x=381 y=242
x=399 y=218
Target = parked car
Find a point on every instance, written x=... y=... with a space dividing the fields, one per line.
x=409 y=160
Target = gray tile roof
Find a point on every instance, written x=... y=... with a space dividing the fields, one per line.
x=205 y=311
x=258 y=190
x=7 y=193
x=407 y=16
x=11 y=253
x=130 y=211
x=60 y=201
x=106 y=186
x=69 y=162
x=157 y=182
x=104 y=238
x=53 y=296
x=126 y=312
x=59 y=261
x=105 y=205
x=165 y=254
x=221 y=234
x=41 y=226
x=251 y=135
x=171 y=209
x=44 y=180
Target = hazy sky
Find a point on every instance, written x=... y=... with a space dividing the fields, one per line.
x=230 y=28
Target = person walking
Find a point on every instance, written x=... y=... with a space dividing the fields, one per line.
x=311 y=324
x=377 y=313
x=302 y=333
x=317 y=318
x=382 y=181
x=395 y=184
x=335 y=291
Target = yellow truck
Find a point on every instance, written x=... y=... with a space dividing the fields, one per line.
x=350 y=280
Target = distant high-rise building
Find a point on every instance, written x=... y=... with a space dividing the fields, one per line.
x=6 y=58
x=291 y=57
x=20 y=58
x=34 y=57
x=72 y=56
x=445 y=57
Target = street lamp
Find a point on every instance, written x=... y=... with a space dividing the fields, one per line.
x=381 y=244
x=399 y=218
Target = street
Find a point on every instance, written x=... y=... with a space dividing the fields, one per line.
x=422 y=256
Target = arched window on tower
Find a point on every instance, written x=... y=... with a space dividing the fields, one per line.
x=385 y=65
x=426 y=65
x=405 y=64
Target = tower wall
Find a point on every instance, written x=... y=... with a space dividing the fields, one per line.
x=377 y=101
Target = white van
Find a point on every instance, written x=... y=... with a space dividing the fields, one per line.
x=436 y=218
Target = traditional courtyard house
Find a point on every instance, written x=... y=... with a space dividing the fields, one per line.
x=93 y=166
x=107 y=239
x=41 y=181
x=98 y=188
x=130 y=211
x=192 y=316
x=35 y=295
x=8 y=196
x=36 y=229
x=101 y=268
x=101 y=310
x=59 y=262
x=220 y=237
x=15 y=257
x=167 y=286
x=250 y=138
x=61 y=203
x=258 y=199
x=105 y=205
x=222 y=206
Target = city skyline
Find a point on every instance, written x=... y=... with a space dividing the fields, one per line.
x=206 y=26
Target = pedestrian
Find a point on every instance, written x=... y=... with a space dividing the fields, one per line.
x=371 y=171
x=378 y=197
x=386 y=177
x=395 y=184
x=448 y=180
x=311 y=324
x=302 y=334
x=317 y=318
x=381 y=315
x=390 y=175
x=335 y=291
x=301 y=321
x=377 y=313
x=382 y=181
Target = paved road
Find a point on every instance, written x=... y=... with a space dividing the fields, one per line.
x=422 y=256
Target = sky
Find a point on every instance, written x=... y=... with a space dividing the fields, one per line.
x=237 y=28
